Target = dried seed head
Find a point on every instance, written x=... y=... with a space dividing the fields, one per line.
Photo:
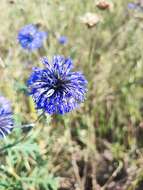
x=90 y=19
x=104 y=5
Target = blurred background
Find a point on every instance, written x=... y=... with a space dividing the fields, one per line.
x=100 y=145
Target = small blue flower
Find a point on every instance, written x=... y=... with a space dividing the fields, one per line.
x=31 y=38
x=132 y=6
x=63 y=40
x=56 y=89
x=135 y=6
x=6 y=117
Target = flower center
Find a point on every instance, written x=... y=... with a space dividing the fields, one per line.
x=59 y=85
x=29 y=37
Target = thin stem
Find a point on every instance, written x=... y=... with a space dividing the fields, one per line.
x=114 y=174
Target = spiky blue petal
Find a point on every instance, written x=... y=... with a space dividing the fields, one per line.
x=56 y=89
x=6 y=117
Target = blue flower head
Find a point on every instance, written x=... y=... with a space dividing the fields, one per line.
x=136 y=6
x=56 y=89
x=31 y=38
x=63 y=40
x=132 y=6
x=6 y=120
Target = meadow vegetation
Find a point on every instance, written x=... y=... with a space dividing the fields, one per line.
x=98 y=146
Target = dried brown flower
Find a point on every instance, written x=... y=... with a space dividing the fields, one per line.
x=104 y=4
x=90 y=19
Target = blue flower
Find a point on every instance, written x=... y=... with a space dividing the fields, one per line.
x=6 y=120
x=63 y=40
x=56 y=89
x=132 y=6
x=31 y=38
x=135 y=6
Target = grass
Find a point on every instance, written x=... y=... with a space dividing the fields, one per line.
x=98 y=146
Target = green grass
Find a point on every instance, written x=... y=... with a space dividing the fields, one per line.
x=98 y=146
